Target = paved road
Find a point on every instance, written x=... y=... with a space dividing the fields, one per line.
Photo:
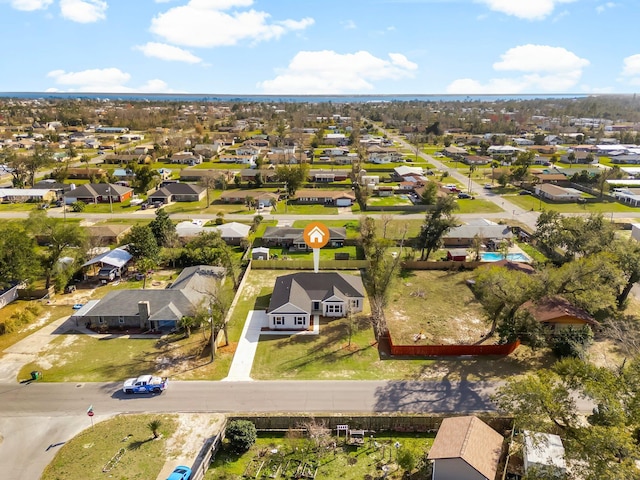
x=70 y=399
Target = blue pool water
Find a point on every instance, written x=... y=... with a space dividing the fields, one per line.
x=496 y=256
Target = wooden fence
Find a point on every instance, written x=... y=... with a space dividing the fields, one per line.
x=377 y=423
x=451 y=350
x=308 y=264
x=207 y=454
x=443 y=265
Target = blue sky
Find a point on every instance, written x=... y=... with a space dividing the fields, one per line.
x=326 y=47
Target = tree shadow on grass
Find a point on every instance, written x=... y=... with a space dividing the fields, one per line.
x=137 y=444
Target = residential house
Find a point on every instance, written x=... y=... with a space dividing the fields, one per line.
x=99 y=193
x=198 y=174
x=50 y=184
x=631 y=158
x=523 y=142
x=476 y=160
x=86 y=172
x=544 y=149
x=454 y=152
x=580 y=157
x=289 y=237
x=464 y=235
x=630 y=196
x=103 y=235
x=123 y=159
x=299 y=296
x=236 y=158
x=557 y=312
x=101 y=129
x=156 y=309
x=465 y=448
x=249 y=174
x=552 y=178
x=403 y=170
x=503 y=151
x=338 y=139
x=335 y=151
x=20 y=195
x=556 y=193
x=186 y=158
x=338 y=198
x=249 y=150
x=233 y=233
x=328 y=176
x=256 y=196
x=178 y=192
x=208 y=150
x=258 y=142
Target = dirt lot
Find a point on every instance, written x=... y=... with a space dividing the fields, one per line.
x=434 y=307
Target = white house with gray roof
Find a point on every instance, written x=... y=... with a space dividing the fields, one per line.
x=298 y=296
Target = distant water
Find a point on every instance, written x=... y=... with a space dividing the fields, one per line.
x=191 y=98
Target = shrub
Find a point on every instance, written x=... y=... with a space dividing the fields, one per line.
x=78 y=206
x=572 y=342
x=241 y=435
x=406 y=460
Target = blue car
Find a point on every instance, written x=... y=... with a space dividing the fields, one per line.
x=180 y=473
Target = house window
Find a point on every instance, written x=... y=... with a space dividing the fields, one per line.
x=278 y=320
x=316 y=305
x=121 y=320
x=334 y=308
x=299 y=320
x=100 y=320
x=355 y=303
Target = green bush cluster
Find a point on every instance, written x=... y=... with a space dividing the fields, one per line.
x=20 y=318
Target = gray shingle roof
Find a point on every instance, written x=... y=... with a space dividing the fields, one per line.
x=300 y=289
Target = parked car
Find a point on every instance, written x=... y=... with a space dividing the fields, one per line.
x=180 y=473
x=488 y=186
x=464 y=195
x=524 y=192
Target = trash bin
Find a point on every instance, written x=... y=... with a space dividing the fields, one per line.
x=35 y=375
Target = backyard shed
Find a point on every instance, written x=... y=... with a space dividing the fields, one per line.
x=260 y=253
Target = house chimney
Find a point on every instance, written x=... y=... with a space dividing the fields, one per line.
x=144 y=312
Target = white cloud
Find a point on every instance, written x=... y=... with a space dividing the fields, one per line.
x=216 y=28
x=30 y=5
x=167 y=52
x=631 y=69
x=541 y=68
x=539 y=58
x=525 y=9
x=102 y=80
x=348 y=24
x=83 y=11
x=605 y=6
x=329 y=72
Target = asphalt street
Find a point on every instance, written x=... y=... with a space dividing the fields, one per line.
x=56 y=399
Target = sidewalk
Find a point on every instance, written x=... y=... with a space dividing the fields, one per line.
x=242 y=363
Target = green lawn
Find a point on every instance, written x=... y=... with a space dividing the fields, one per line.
x=298 y=209
x=530 y=202
x=325 y=253
x=476 y=205
x=88 y=453
x=392 y=200
x=343 y=461
x=351 y=226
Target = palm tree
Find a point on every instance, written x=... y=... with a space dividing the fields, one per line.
x=154 y=426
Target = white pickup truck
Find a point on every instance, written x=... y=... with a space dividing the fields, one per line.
x=145 y=384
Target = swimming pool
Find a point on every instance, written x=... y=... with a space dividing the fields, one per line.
x=496 y=256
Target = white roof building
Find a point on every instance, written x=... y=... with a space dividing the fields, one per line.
x=544 y=452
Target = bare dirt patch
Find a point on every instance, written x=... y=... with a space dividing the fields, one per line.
x=434 y=307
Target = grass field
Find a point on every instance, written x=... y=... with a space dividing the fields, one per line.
x=88 y=453
x=438 y=305
x=342 y=461
x=476 y=205
x=529 y=202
